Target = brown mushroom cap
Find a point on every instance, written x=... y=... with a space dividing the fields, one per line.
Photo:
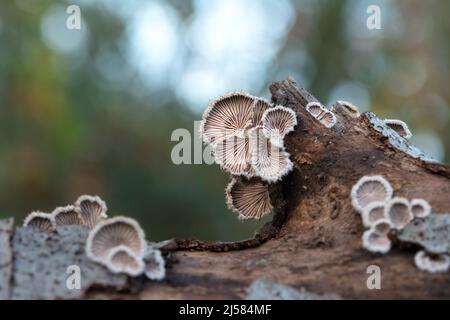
x=250 y=200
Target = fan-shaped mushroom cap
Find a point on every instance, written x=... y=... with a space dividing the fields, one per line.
x=277 y=122
x=399 y=126
x=155 y=267
x=40 y=220
x=122 y=259
x=93 y=210
x=349 y=107
x=233 y=155
x=420 y=208
x=432 y=262
x=376 y=242
x=228 y=115
x=324 y=116
x=269 y=162
x=398 y=211
x=373 y=212
x=382 y=227
x=370 y=189
x=260 y=106
x=67 y=216
x=112 y=233
x=250 y=200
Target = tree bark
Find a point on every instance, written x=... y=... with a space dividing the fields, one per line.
x=314 y=240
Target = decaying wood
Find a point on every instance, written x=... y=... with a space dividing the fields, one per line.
x=314 y=240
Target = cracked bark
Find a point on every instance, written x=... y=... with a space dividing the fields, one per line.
x=314 y=240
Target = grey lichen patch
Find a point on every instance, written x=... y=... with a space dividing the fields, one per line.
x=396 y=140
x=41 y=263
x=6 y=229
x=432 y=233
x=264 y=289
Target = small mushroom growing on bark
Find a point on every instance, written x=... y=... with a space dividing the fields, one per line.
x=420 y=208
x=112 y=233
x=92 y=210
x=155 y=267
x=121 y=259
x=398 y=212
x=370 y=189
x=432 y=262
x=228 y=115
x=67 y=215
x=250 y=200
x=399 y=126
x=324 y=116
x=376 y=238
x=277 y=122
x=349 y=108
x=40 y=221
x=373 y=212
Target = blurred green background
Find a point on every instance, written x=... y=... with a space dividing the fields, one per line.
x=92 y=110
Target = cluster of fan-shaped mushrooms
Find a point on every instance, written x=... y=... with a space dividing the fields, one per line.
x=247 y=137
x=118 y=243
x=381 y=212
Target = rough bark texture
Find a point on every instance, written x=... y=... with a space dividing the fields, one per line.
x=313 y=243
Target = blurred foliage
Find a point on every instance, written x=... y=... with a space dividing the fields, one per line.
x=88 y=121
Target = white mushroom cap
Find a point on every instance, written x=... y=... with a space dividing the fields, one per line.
x=122 y=259
x=374 y=241
x=228 y=115
x=250 y=200
x=399 y=126
x=420 y=208
x=68 y=215
x=324 y=116
x=370 y=189
x=233 y=155
x=93 y=210
x=373 y=212
x=432 y=263
x=260 y=106
x=269 y=162
x=277 y=122
x=112 y=233
x=41 y=221
x=382 y=227
x=155 y=266
x=399 y=212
